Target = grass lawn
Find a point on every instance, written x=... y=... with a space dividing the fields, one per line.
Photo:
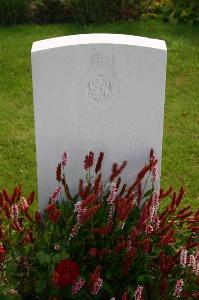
x=180 y=165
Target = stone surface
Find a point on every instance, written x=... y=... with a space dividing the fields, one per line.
x=99 y=92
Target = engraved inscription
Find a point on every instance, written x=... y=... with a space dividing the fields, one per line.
x=100 y=89
x=100 y=60
x=102 y=133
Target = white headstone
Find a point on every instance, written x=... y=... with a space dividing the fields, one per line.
x=98 y=92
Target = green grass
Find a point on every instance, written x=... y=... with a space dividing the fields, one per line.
x=180 y=165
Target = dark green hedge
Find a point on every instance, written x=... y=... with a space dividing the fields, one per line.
x=13 y=11
x=96 y=11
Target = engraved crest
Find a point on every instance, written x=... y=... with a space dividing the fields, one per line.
x=100 y=88
x=99 y=84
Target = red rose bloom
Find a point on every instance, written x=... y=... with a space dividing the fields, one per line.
x=66 y=272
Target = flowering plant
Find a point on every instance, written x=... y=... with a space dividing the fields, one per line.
x=109 y=241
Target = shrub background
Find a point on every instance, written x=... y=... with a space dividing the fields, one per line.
x=96 y=11
x=13 y=11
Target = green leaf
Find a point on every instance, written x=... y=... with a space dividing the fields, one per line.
x=11 y=267
x=40 y=286
x=9 y=297
x=148 y=193
x=59 y=256
x=109 y=288
x=140 y=278
x=43 y=258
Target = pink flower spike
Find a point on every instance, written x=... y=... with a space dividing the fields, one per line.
x=112 y=195
x=183 y=257
x=111 y=202
x=80 y=211
x=149 y=229
x=24 y=204
x=178 y=288
x=155 y=172
x=74 y=231
x=139 y=292
x=15 y=211
x=154 y=208
x=97 y=286
x=197 y=256
x=197 y=263
x=64 y=159
x=54 y=195
x=192 y=262
x=156 y=222
x=78 y=284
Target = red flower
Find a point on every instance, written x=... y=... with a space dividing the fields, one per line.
x=89 y=200
x=53 y=213
x=124 y=296
x=7 y=211
x=168 y=238
x=124 y=207
x=1 y=233
x=117 y=171
x=28 y=216
x=195 y=228
x=30 y=198
x=103 y=230
x=146 y=245
x=133 y=234
x=141 y=175
x=166 y=263
x=2 y=252
x=93 y=251
x=99 y=162
x=120 y=246
x=64 y=159
x=102 y=252
x=17 y=225
x=58 y=172
x=163 y=285
x=90 y=212
x=28 y=238
x=66 y=272
x=37 y=217
x=55 y=216
x=165 y=194
x=195 y=295
x=81 y=188
x=128 y=260
x=97 y=184
x=88 y=162
x=95 y=281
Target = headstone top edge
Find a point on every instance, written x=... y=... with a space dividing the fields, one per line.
x=98 y=38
